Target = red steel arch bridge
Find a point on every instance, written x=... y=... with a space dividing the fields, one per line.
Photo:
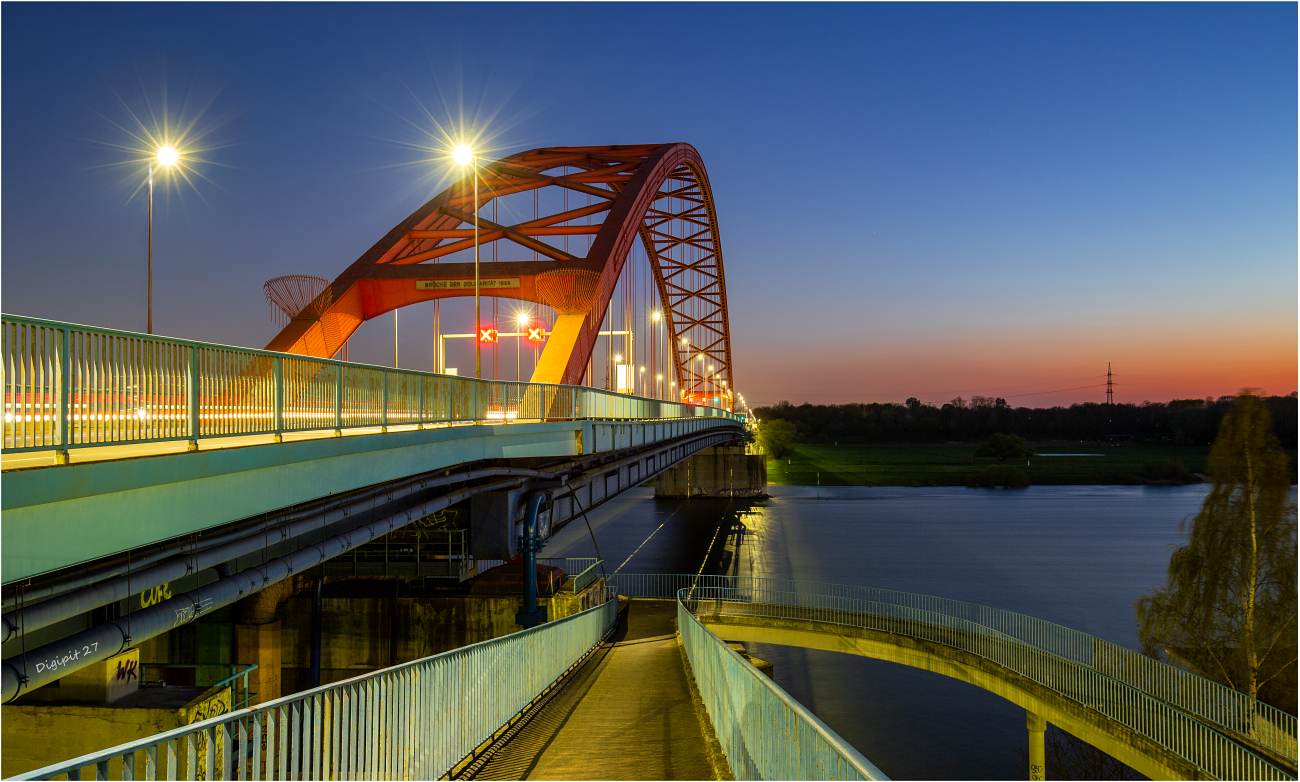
x=569 y=244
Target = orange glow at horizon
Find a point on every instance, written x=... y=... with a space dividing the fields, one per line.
x=1031 y=370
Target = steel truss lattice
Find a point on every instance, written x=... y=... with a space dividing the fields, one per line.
x=657 y=193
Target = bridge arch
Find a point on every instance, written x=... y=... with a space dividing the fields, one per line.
x=656 y=193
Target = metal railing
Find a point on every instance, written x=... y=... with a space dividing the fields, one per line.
x=393 y=723
x=765 y=733
x=69 y=386
x=1196 y=719
x=412 y=721
x=584 y=578
x=239 y=696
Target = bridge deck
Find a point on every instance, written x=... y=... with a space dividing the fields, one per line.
x=628 y=715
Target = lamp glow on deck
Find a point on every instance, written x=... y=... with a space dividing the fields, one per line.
x=462 y=155
x=167 y=156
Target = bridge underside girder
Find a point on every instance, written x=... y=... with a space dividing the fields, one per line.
x=57 y=518
x=597 y=461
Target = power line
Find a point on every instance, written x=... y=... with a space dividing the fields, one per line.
x=951 y=391
x=1057 y=391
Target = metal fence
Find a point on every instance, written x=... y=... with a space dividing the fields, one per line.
x=765 y=733
x=1167 y=705
x=202 y=673
x=69 y=386
x=411 y=721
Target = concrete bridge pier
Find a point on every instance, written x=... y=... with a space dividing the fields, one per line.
x=720 y=471
x=1037 y=751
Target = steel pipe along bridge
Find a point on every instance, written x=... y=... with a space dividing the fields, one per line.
x=437 y=717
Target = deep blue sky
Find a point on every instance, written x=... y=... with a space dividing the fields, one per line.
x=918 y=199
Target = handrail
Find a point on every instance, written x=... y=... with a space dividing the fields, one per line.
x=587 y=576
x=72 y=386
x=1204 y=710
x=764 y=732
x=375 y=723
x=238 y=671
x=415 y=720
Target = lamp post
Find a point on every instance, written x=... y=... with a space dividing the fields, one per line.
x=167 y=157
x=521 y=321
x=701 y=375
x=464 y=155
x=654 y=342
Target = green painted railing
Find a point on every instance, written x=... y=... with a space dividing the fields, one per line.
x=412 y=721
x=1201 y=721
x=419 y=719
x=69 y=386
x=764 y=732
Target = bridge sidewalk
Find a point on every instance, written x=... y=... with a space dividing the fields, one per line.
x=629 y=714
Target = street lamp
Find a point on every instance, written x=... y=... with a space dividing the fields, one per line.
x=465 y=156
x=167 y=157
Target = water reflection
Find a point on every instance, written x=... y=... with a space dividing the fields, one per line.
x=1078 y=556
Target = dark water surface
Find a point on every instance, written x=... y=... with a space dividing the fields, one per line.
x=1075 y=555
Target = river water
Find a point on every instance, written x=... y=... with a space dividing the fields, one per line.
x=1075 y=555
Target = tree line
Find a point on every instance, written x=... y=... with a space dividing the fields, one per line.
x=1178 y=422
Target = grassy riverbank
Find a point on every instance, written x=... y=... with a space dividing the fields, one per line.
x=953 y=465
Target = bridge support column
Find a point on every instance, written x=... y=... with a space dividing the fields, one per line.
x=1037 y=751
x=721 y=471
x=259 y=644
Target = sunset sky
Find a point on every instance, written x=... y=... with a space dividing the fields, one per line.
x=914 y=200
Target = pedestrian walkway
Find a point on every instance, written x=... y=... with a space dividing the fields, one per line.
x=629 y=714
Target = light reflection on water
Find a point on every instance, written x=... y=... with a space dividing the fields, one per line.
x=1075 y=555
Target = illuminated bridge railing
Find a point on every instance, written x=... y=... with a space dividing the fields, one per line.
x=764 y=732
x=69 y=386
x=411 y=721
x=1197 y=719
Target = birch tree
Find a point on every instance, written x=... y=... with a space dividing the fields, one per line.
x=1227 y=610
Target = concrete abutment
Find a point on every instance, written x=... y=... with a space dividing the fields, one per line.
x=721 y=471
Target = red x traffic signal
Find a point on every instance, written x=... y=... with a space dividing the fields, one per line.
x=536 y=334
x=487 y=335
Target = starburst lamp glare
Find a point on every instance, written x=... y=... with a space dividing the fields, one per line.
x=166 y=157
x=463 y=156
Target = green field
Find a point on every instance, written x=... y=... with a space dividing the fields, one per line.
x=952 y=465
